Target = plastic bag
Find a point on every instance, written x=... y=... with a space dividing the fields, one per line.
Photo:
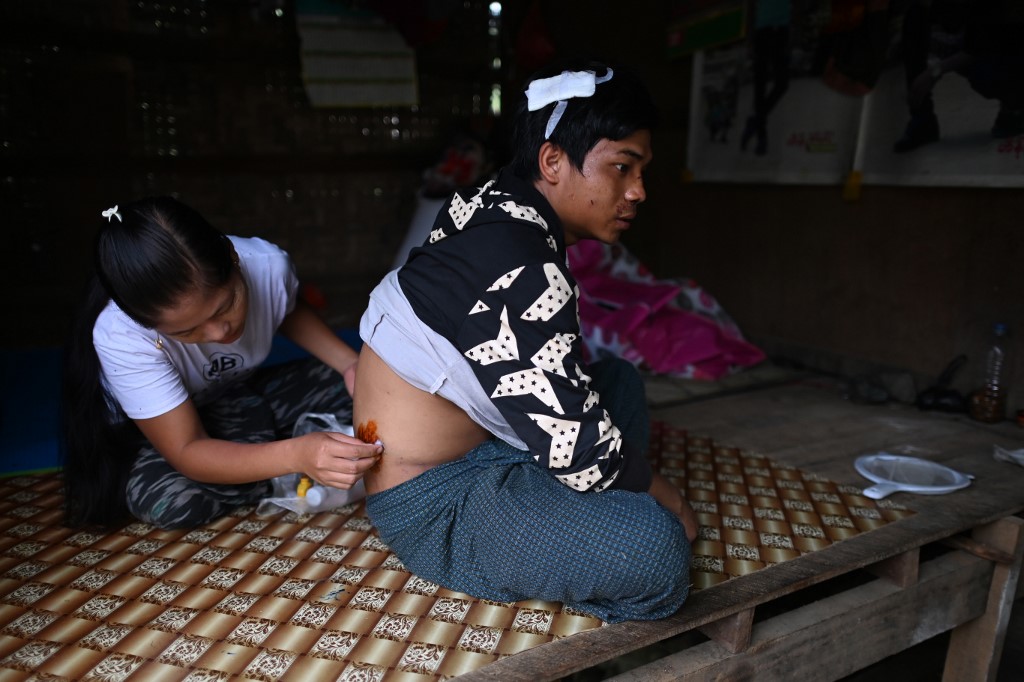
x=1011 y=456
x=318 y=498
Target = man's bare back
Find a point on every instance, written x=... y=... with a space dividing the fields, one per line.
x=419 y=430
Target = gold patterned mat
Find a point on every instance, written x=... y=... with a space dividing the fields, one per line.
x=320 y=597
x=754 y=512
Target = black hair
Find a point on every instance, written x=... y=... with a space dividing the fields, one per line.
x=618 y=108
x=158 y=251
x=145 y=261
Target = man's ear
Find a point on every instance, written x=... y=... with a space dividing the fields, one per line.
x=550 y=160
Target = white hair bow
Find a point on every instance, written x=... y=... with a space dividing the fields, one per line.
x=110 y=212
x=561 y=88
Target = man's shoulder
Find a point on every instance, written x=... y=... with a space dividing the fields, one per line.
x=505 y=200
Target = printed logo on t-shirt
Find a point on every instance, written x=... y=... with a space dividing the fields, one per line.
x=222 y=364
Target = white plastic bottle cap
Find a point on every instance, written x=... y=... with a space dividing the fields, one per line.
x=314 y=496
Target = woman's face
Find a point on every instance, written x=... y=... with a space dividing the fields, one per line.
x=210 y=316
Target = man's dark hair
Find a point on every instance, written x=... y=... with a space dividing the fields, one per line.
x=618 y=108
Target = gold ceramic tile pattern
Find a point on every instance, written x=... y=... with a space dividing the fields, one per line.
x=320 y=597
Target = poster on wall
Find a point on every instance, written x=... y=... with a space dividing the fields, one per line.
x=963 y=143
x=783 y=104
x=808 y=135
x=914 y=93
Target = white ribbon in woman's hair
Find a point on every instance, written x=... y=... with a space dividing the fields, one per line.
x=111 y=212
x=561 y=88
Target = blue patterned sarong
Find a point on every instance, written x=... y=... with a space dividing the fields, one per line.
x=497 y=526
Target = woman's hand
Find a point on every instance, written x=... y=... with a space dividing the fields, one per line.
x=670 y=497
x=334 y=459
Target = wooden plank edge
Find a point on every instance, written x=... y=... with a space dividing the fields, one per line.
x=562 y=657
x=979 y=549
x=802 y=644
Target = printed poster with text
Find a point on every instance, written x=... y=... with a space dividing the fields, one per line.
x=811 y=94
x=809 y=137
x=965 y=154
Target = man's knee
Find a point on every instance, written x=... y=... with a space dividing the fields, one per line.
x=661 y=577
x=667 y=565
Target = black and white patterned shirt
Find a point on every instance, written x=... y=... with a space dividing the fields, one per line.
x=492 y=279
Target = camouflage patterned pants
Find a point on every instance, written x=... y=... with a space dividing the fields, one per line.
x=262 y=408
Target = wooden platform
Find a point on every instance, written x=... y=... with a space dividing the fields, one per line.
x=289 y=596
x=952 y=566
x=320 y=597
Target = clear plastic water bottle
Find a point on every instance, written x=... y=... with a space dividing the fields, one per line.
x=988 y=403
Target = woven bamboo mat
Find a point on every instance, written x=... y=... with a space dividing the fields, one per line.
x=755 y=512
x=320 y=597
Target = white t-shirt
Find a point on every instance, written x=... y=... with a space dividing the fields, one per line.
x=147 y=381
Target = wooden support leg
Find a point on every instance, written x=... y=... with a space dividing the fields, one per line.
x=976 y=646
x=901 y=570
x=732 y=632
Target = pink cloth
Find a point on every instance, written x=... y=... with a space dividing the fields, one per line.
x=664 y=326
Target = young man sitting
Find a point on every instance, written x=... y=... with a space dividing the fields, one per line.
x=512 y=469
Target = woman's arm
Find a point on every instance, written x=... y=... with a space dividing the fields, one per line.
x=332 y=459
x=305 y=328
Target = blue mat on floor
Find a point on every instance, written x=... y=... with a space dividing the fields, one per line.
x=29 y=402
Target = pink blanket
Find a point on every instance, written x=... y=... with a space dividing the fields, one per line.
x=664 y=326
